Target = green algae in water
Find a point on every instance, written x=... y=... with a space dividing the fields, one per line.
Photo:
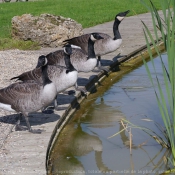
x=83 y=146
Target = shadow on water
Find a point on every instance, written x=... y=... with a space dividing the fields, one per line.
x=84 y=147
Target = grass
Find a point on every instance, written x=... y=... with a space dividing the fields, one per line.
x=8 y=43
x=88 y=13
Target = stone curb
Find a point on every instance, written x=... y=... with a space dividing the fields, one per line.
x=90 y=86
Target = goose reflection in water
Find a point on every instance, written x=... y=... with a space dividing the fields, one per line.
x=77 y=139
x=100 y=115
x=85 y=142
x=82 y=144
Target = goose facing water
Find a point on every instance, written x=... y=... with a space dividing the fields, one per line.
x=29 y=96
x=62 y=77
x=81 y=61
x=104 y=46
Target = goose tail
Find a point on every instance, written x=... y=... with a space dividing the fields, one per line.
x=15 y=78
x=72 y=45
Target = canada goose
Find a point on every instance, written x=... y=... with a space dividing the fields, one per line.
x=104 y=46
x=81 y=61
x=62 y=77
x=28 y=96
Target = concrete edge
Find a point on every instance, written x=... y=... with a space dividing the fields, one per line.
x=135 y=57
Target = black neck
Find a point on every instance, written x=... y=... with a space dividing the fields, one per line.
x=91 y=52
x=68 y=63
x=116 y=30
x=45 y=77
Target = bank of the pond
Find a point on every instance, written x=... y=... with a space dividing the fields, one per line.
x=26 y=153
x=84 y=146
x=122 y=64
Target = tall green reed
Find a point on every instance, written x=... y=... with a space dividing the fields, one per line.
x=164 y=30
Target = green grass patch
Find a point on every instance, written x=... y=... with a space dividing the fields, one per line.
x=88 y=13
x=7 y=43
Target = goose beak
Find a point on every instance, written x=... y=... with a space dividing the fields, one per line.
x=98 y=37
x=125 y=13
x=122 y=15
x=38 y=65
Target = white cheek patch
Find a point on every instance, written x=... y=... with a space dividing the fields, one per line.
x=45 y=61
x=120 y=18
x=92 y=38
x=65 y=51
x=75 y=47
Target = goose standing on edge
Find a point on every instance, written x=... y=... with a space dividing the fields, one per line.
x=62 y=77
x=82 y=61
x=104 y=46
x=29 y=96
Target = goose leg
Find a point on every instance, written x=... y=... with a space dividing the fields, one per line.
x=83 y=90
x=49 y=110
x=99 y=66
x=72 y=92
x=46 y=110
x=99 y=61
x=38 y=131
x=57 y=107
x=28 y=124
x=18 y=127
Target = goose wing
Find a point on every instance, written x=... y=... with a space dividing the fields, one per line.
x=54 y=71
x=81 y=41
x=78 y=55
x=105 y=36
x=34 y=74
x=56 y=58
x=18 y=93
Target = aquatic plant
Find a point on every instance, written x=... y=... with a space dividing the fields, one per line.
x=164 y=30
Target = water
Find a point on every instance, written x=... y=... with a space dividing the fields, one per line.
x=84 y=146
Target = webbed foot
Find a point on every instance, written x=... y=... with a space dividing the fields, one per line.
x=48 y=110
x=82 y=90
x=59 y=108
x=36 y=131
x=101 y=68
x=71 y=92
x=19 y=128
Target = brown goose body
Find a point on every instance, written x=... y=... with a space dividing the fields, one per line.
x=62 y=77
x=28 y=96
x=105 y=45
x=57 y=74
x=79 y=60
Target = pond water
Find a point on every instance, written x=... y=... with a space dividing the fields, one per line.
x=84 y=146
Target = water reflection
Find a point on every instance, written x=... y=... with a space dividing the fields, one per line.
x=102 y=115
x=83 y=146
x=83 y=140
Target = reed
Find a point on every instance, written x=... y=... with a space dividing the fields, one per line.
x=164 y=29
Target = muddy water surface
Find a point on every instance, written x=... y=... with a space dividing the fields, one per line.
x=84 y=146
